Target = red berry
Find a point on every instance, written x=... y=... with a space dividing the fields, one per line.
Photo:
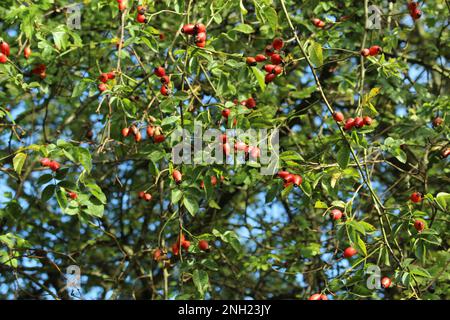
x=103 y=77
x=141 y=18
x=201 y=44
x=125 y=132
x=255 y=153
x=269 y=50
x=27 y=52
x=416 y=197
x=157 y=254
x=277 y=70
x=72 y=195
x=141 y=9
x=240 y=146
x=419 y=225
x=283 y=174
x=412 y=5
x=359 y=122
x=416 y=14
x=318 y=296
x=159 y=72
x=276 y=58
x=175 y=248
x=297 y=180
x=251 y=61
x=164 y=90
x=147 y=197
x=269 y=68
x=186 y=244
x=386 y=282
x=260 y=58
x=203 y=245
x=102 y=87
x=350 y=252
x=437 y=121
x=165 y=79
x=200 y=27
x=54 y=166
x=445 y=153
x=336 y=214
x=3 y=58
x=367 y=120
x=141 y=194
x=365 y=52
x=159 y=138
x=200 y=37
x=226 y=113
x=226 y=148
x=250 y=103
x=318 y=23
x=277 y=43
x=4 y=48
x=111 y=75
x=269 y=77
x=177 y=176
x=138 y=137
x=338 y=116
x=122 y=6
x=349 y=123
x=224 y=138
x=45 y=162
x=150 y=131
x=213 y=180
x=188 y=29
x=374 y=50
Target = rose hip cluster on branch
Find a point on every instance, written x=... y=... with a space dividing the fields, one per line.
x=197 y=30
x=318 y=23
x=53 y=165
x=414 y=11
x=184 y=243
x=141 y=14
x=273 y=51
x=5 y=51
x=104 y=78
x=351 y=123
x=372 y=51
x=160 y=72
x=290 y=178
x=145 y=196
x=122 y=4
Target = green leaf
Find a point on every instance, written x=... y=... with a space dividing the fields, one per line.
x=343 y=155
x=84 y=157
x=320 y=205
x=48 y=192
x=244 y=28
x=201 y=281
x=19 y=161
x=169 y=120
x=316 y=54
x=176 y=195
x=96 y=192
x=259 y=77
x=272 y=17
x=191 y=205
x=62 y=199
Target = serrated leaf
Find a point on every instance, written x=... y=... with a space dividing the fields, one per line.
x=343 y=155
x=244 y=28
x=260 y=78
x=19 y=161
x=316 y=54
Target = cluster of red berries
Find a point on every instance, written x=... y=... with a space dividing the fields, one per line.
x=145 y=196
x=318 y=296
x=152 y=132
x=5 y=51
x=177 y=176
x=122 y=4
x=351 y=123
x=290 y=178
x=414 y=11
x=213 y=182
x=239 y=146
x=53 y=165
x=141 y=14
x=273 y=51
x=249 y=103
x=40 y=70
x=372 y=51
x=197 y=30
x=318 y=23
x=104 y=78
x=184 y=243
x=160 y=72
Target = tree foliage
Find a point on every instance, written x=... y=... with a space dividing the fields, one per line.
x=267 y=240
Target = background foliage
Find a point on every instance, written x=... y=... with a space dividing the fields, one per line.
x=267 y=242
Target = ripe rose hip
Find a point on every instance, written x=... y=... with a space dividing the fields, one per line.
x=141 y=194
x=54 y=166
x=157 y=254
x=159 y=72
x=3 y=58
x=201 y=44
x=103 y=77
x=134 y=130
x=72 y=195
x=374 y=50
x=445 y=153
x=318 y=296
x=4 y=48
x=386 y=282
x=176 y=248
x=200 y=37
x=251 y=61
x=203 y=245
x=150 y=131
x=416 y=14
x=437 y=121
x=349 y=123
x=338 y=116
x=147 y=197
x=188 y=29
x=359 y=122
x=159 y=138
x=250 y=103
x=164 y=90
x=367 y=120
x=276 y=59
x=240 y=146
x=200 y=27
x=416 y=197
x=27 y=52
x=165 y=79
x=226 y=113
x=277 y=44
x=297 y=180
x=318 y=23
x=177 y=176
x=350 y=252
x=260 y=58
x=45 y=162
x=138 y=137
x=141 y=18
x=255 y=152
x=283 y=174
x=365 y=52
x=277 y=70
x=141 y=9
x=336 y=214
x=269 y=77
x=269 y=68
x=419 y=225
x=111 y=75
